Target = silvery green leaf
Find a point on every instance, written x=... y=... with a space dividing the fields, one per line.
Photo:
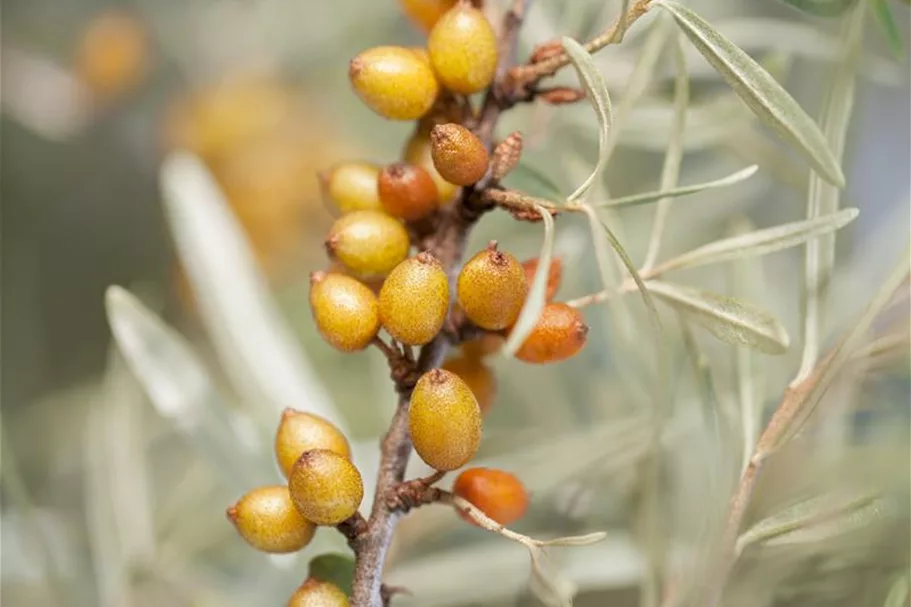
x=547 y=583
x=575 y=540
x=860 y=517
x=730 y=320
x=649 y=197
x=898 y=592
x=768 y=100
x=821 y=8
x=536 y=299
x=252 y=339
x=891 y=32
x=596 y=92
x=761 y=242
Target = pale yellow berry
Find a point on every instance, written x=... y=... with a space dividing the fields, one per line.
x=299 y=431
x=344 y=310
x=326 y=487
x=317 y=593
x=463 y=50
x=492 y=288
x=369 y=243
x=393 y=81
x=352 y=186
x=445 y=420
x=414 y=300
x=268 y=520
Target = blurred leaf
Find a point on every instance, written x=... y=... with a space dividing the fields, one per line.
x=821 y=8
x=730 y=320
x=547 y=583
x=536 y=299
x=891 y=32
x=768 y=100
x=862 y=516
x=596 y=92
x=761 y=242
x=648 y=197
x=335 y=568
x=259 y=351
x=898 y=592
x=575 y=540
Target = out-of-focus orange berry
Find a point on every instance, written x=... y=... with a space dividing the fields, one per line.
x=113 y=53
x=498 y=494
x=560 y=333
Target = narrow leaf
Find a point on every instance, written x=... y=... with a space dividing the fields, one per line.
x=898 y=592
x=536 y=299
x=575 y=540
x=821 y=8
x=761 y=242
x=862 y=517
x=730 y=320
x=891 y=32
x=648 y=197
x=335 y=568
x=547 y=583
x=768 y=100
x=596 y=91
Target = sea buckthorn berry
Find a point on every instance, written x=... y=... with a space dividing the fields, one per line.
x=325 y=487
x=445 y=420
x=369 y=243
x=498 y=494
x=298 y=432
x=478 y=376
x=317 y=593
x=458 y=154
x=352 y=186
x=492 y=288
x=554 y=276
x=559 y=334
x=414 y=300
x=395 y=82
x=484 y=346
x=463 y=50
x=407 y=191
x=418 y=151
x=113 y=54
x=344 y=310
x=425 y=13
x=268 y=520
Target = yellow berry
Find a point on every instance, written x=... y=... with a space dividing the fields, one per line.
x=560 y=333
x=407 y=191
x=445 y=420
x=463 y=50
x=478 y=376
x=498 y=494
x=344 y=310
x=369 y=243
x=352 y=186
x=298 y=432
x=418 y=151
x=326 y=487
x=492 y=288
x=554 y=276
x=113 y=53
x=425 y=13
x=414 y=300
x=458 y=154
x=317 y=593
x=395 y=82
x=268 y=520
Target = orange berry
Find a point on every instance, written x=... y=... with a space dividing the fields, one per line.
x=445 y=420
x=560 y=333
x=407 y=191
x=369 y=243
x=463 y=50
x=326 y=487
x=478 y=376
x=492 y=288
x=498 y=494
x=267 y=519
x=345 y=311
x=393 y=81
x=458 y=155
x=425 y=13
x=554 y=275
x=299 y=431
x=414 y=300
x=317 y=593
x=113 y=53
x=418 y=151
x=352 y=186
x=484 y=346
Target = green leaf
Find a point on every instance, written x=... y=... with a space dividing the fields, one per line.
x=898 y=592
x=821 y=8
x=768 y=100
x=536 y=299
x=649 y=197
x=596 y=92
x=891 y=32
x=335 y=568
x=761 y=242
x=730 y=320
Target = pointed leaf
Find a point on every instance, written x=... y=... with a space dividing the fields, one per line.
x=730 y=320
x=648 y=197
x=768 y=100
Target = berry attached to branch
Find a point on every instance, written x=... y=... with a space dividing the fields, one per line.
x=463 y=50
x=268 y=520
x=393 y=81
x=560 y=333
x=445 y=420
x=492 y=289
x=326 y=487
x=345 y=311
x=478 y=376
x=351 y=186
x=458 y=155
x=414 y=300
x=407 y=191
x=498 y=494
x=317 y=593
x=369 y=243
x=299 y=432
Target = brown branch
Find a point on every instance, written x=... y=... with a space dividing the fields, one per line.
x=521 y=206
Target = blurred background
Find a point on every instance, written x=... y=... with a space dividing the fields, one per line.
x=113 y=490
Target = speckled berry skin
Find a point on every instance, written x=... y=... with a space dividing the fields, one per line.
x=407 y=191
x=369 y=243
x=554 y=276
x=492 y=289
x=445 y=420
x=417 y=151
x=478 y=376
x=463 y=50
x=393 y=81
x=560 y=333
x=414 y=300
x=326 y=487
x=458 y=155
x=425 y=13
x=345 y=311
x=352 y=186
x=268 y=520
x=496 y=493
x=299 y=431
x=317 y=593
